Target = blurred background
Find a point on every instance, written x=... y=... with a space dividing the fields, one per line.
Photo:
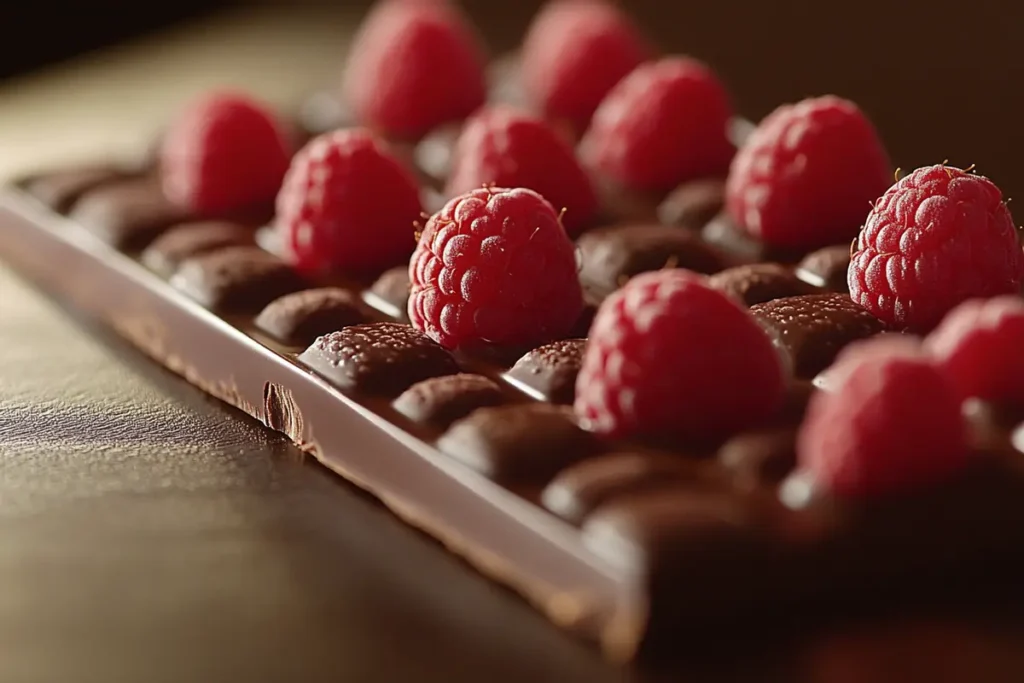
x=941 y=78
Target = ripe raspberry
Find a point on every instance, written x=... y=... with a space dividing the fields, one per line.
x=886 y=343
x=414 y=65
x=494 y=266
x=892 y=423
x=224 y=153
x=806 y=175
x=502 y=147
x=979 y=346
x=663 y=124
x=668 y=355
x=936 y=238
x=574 y=52
x=347 y=204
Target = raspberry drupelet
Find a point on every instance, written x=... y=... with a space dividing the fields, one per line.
x=506 y=148
x=891 y=423
x=574 y=52
x=936 y=238
x=667 y=355
x=494 y=267
x=413 y=66
x=807 y=174
x=348 y=204
x=224 y=153
x=663 y=124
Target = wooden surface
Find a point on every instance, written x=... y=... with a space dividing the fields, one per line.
x=149 y=534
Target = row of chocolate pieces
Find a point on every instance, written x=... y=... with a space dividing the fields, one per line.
x=671 y=353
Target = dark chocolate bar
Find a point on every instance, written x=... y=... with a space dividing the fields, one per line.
x=621 y=542
x=624 y=542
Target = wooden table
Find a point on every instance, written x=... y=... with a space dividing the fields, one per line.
x=149 y=534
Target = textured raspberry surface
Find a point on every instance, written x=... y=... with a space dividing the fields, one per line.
x=936 y=238
x=668 y=355
x=891 y=423
x=574 y=52
x=494 y=266
x=414 y=65
x=225 y=152
x=348 y=204
x=980 y=345
x=663 y=124
x=806 y=175
x=502 y=147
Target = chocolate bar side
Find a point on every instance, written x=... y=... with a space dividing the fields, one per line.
x=500 y=533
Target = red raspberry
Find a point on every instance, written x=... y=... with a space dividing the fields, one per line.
x=224 y=153
x=665 y=123
x=668 y=355
x=936 y=238
x=414 y=65
x=502 y=147
x=892 y=423
x=887 y=343
x=494 y=266
x=806 y=175
x=574 y=52
x=979 y=345
x=348 y=204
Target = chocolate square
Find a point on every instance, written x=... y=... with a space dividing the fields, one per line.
x=762 y=457
x=236 y=279
x=439 y=401
x=390 y=293
x=127 y=214
x=62 y=189
x=811 y=330
x=694 y=550
x=521 y=443
x=184 y=241
x=692 y=205
x=297 y=319
x=550 y=371
x=827 y=268
x=612 y=255
x=757 y=283
x=377 y=358
x=584 y=486
x=725 y=234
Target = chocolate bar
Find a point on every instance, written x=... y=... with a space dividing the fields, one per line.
x=623 y=541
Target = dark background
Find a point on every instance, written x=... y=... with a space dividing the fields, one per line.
x=941 y=78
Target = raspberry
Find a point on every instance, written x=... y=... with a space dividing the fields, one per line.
x=979 y=346
x=414 y=65
x=886 y=343
x=224 y=153
x=501 y=147
x=936 y=238
x=494 y=266
x=806 y=175
x=347 y=204
x=663 y=124
x=574 y=52
x=892 y=423
x=669 y=356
